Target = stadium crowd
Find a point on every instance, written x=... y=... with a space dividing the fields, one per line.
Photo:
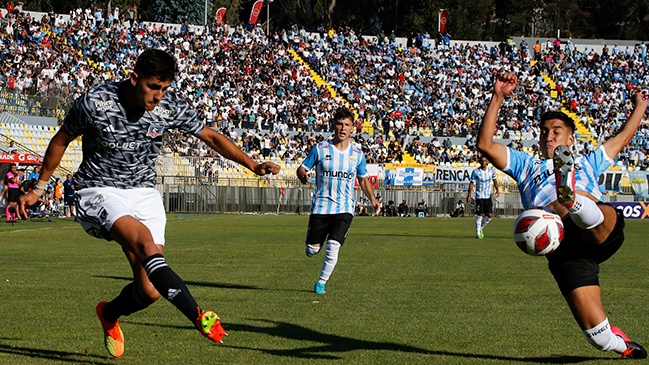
x=239 y=77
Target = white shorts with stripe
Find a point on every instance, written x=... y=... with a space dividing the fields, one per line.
x=99 y=208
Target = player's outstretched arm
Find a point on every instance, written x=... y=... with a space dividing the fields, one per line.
x=229 y=150
x=495 y=152
x=53 y=155
x=615 y=144
x=367 y=188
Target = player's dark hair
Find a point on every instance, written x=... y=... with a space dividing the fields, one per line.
x=343 y=113
x=156 y=63
x=561 y=116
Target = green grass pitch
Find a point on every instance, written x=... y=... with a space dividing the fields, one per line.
x=405 y=291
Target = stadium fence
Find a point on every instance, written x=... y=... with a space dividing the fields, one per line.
x=198 y=195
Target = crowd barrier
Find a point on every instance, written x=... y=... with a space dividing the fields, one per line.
x=213 y=198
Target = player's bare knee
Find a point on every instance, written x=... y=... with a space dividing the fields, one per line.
x=141 y=248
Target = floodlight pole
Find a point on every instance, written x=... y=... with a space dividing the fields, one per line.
x=268 y=17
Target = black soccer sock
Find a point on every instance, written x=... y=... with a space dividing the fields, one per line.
x=127 y=302
x=170 y=286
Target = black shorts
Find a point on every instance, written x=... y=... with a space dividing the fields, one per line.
x=68 y=200
x=335 y=226
x=576 y=263
x=13 y=195
x=483 y=206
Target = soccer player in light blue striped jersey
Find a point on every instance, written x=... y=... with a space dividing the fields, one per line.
x=338 y=162
x=567 y=184
x=484 y=179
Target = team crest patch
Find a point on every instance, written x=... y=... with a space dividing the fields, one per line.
x=103 y=215
x=155 y=130
x=353 y=159
x=95 y=202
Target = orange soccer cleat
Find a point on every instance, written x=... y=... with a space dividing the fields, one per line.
x=113 y=336
x=209 y=325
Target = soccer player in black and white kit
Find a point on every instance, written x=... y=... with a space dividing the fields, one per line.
x=122 y=125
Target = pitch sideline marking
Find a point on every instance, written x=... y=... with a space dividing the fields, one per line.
x=36 y=229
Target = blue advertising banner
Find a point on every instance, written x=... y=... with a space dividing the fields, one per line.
x=408 y=174
x=633 y=210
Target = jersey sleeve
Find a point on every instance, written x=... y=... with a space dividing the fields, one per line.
x=599 y=160
x=186 y=118
x=493 y=173
x=361 y=169
x=76 y=121
x=311 y=158
x=474 y=175
x=516 y=161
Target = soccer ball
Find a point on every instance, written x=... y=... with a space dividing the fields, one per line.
x=538 y=231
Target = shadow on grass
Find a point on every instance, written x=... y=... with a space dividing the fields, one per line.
x=432 y=235
x=338 y=344
x=193 y=328
x=211 y=284
x=60 y=356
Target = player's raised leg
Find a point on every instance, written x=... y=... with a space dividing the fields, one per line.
x=597 y=221
x=316 y=234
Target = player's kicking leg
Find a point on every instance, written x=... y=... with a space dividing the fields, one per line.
x=599 y=225
x=136 y=239
x=597 y=221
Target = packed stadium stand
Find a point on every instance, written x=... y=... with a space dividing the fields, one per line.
x=274 y=95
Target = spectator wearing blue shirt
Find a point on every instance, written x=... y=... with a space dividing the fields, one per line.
x=35 y=174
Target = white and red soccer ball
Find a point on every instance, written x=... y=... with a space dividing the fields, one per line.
x=538 y=231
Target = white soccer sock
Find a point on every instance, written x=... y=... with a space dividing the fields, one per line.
x=478 y=224
x=485 y=220
x=330 y=260
x=585 y=213
x=312 y=250
x=603 y=339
